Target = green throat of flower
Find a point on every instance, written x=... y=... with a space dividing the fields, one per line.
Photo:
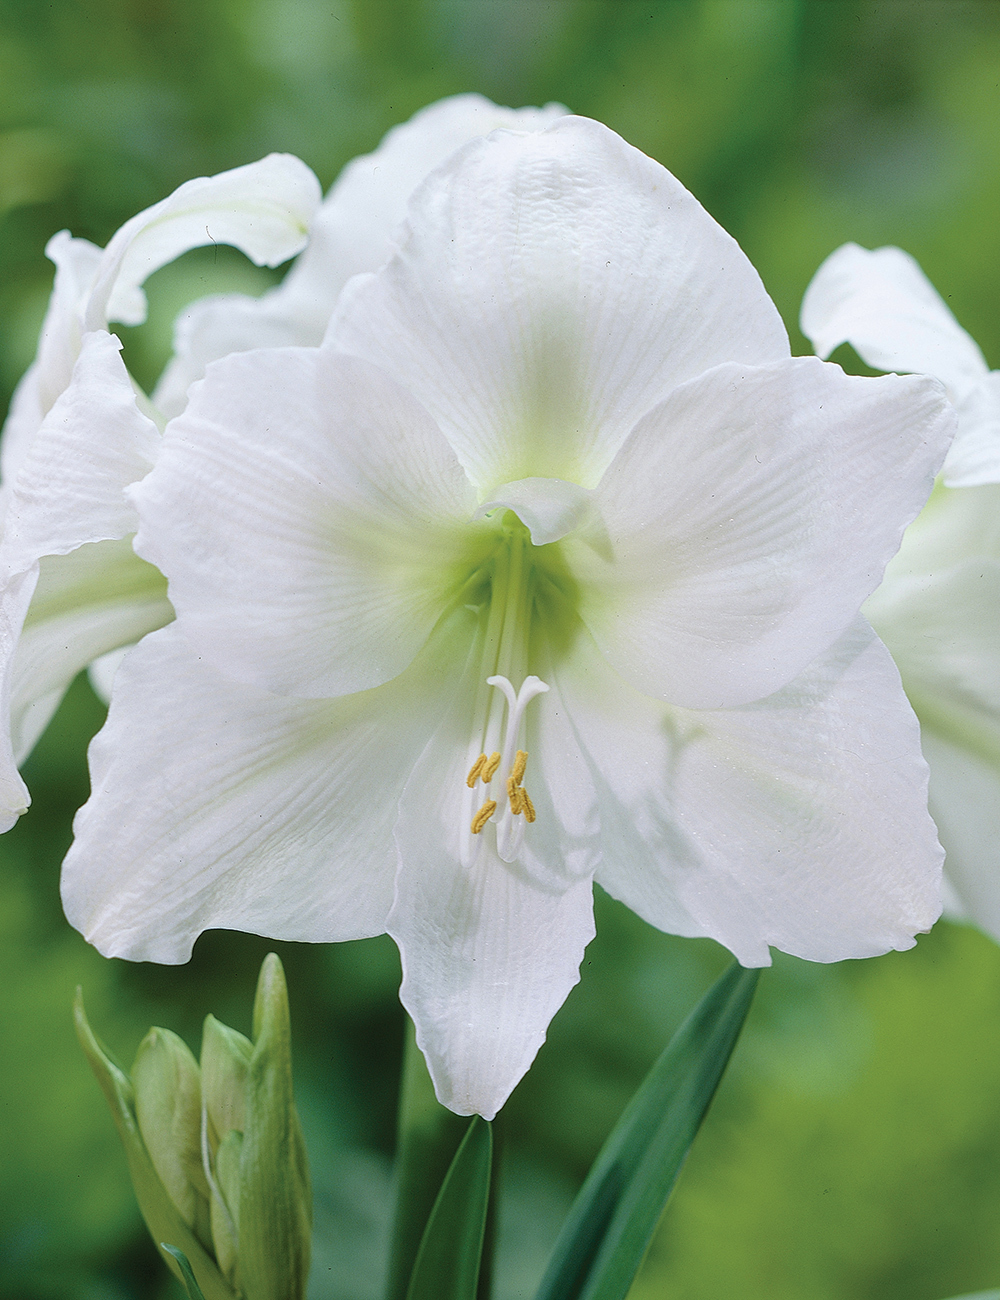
x=495 y=801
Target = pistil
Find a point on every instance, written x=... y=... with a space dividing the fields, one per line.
x=505 y=651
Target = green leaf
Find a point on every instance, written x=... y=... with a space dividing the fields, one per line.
x=447 y=1266
x=429 y=1136
x=607 y=1232
x=162 y=1216
x=187 y=1276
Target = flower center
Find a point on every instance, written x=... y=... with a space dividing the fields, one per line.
x=497 y=759
x=514 y=797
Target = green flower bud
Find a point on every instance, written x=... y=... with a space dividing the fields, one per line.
x=216 y=1153
x=275 y=1196
x=163 y=1218
x=225 y=1060
x=167 y=1086
x=226 y=1203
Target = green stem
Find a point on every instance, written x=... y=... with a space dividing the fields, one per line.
x=428 y=1137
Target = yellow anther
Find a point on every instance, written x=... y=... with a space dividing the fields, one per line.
x=483 y=815
x=520 y=763
x=527 y=807
x=490 y=767
x=514 y=793
x=476 y=770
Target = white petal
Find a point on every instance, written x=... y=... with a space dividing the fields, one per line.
x=17 y=593
x=68 y=491
x=799 y=821
x=92 y=601
x=747 y=518
x=308 y=515
x=355 y=227
x=264 y=209
x=102 y=671
x=944 y=634
x=488 y=959
x=214 y=327
x=23 y=421
x=551 y=288
x=58 y=347
x=219 y=806
x=825 y=783
x=974 y=458
x=352 y=232
x=548 y=507
x=955 y=526
x=965 y=803
x=885 y=307
x=938 y=609
x=76 y=262
x=94 y=442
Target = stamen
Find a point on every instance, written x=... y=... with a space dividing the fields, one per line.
x=483 y=815
x=509 y=830
x=475 y=770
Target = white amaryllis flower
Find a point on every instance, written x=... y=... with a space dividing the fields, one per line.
x=938 y=609
x=78 y=433
x=544 y=568
x=94 y=595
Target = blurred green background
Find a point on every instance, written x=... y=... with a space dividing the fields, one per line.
x=854 y=1150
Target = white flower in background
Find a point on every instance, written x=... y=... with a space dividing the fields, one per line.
x=885 y=307
x=544 y=568
x=78 y=434
x=65 y=481
x=938 y=609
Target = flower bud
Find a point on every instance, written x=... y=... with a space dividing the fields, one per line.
x=167 y=1086
x=226 y=1203
x=163 y=1217
x=225 y=1059
x=216 y=1153
x=275 y=1196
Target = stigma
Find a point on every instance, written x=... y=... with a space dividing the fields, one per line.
x=510 y=807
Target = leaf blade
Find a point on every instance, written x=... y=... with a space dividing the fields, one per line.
x=187 y=1273
x=429 y=1137
x=612 y=1221
x=448 y=1261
